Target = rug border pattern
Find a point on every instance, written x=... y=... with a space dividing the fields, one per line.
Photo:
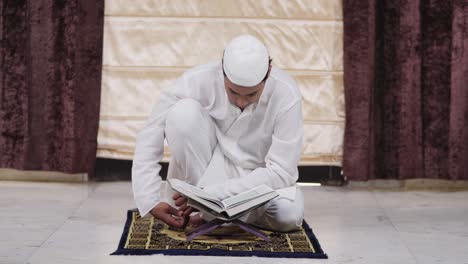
x=121 y=250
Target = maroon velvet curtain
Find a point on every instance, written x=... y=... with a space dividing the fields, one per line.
x=406 y=89
x=51 y=57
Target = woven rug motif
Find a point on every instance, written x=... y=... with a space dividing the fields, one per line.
x=145 y=236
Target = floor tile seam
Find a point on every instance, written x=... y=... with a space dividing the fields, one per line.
x=58 y=228
x=394 y=226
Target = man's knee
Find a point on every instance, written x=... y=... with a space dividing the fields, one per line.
x=184 y=116
x=287 y=215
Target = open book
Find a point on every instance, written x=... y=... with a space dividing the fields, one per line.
x=227 y=209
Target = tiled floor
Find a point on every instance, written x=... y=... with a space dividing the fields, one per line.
x=82 y=223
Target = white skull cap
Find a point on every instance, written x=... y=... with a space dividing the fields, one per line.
x=246 y=60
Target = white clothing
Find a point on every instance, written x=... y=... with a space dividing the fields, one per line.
x=191 y=135
x=260 y=145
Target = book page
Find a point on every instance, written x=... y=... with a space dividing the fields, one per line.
x=246 y=196
x=203 y=206
x=193 y=192
x=250 y=204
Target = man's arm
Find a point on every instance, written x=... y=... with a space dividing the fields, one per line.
x=149 y=150
x=281 y=160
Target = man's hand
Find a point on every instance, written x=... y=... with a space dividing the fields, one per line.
x=163 y=211
x=180 y=201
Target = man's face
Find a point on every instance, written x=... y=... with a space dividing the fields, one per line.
x=242 y=96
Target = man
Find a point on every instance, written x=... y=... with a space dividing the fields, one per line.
x=230 y=126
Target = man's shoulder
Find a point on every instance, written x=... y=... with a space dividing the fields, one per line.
x=286 y=85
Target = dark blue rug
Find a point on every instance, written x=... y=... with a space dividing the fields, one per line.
x=147 y=236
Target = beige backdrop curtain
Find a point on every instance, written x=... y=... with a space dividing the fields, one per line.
x=149 y=43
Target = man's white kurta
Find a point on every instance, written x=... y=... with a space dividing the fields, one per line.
x=260 y=145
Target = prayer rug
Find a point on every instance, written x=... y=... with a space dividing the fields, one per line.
x=147 y=236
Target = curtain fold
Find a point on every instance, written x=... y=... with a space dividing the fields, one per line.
x=51 y=58
x=406 y=89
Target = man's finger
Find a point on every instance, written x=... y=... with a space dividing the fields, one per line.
x=188 y=211
x=170 y=220
x=181 y=210
x=196 y=220
x=171 y=210
x=176 y=196
x=183 y=207
x=180 y=201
